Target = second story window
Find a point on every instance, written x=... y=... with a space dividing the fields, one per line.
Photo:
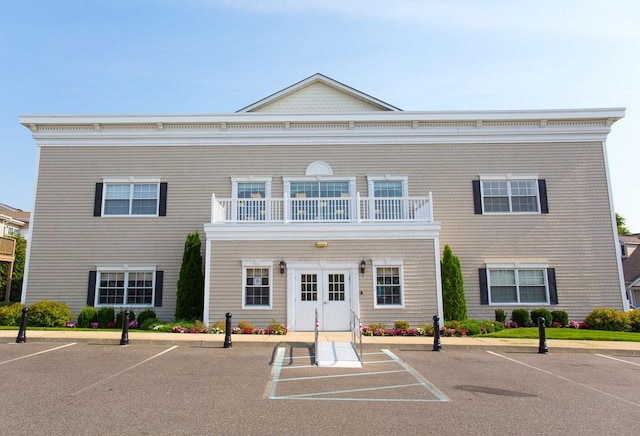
x=252 y=198
x=510 y=194
x=320 y=200
x=130 y=197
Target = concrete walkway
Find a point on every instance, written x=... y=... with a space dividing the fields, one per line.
x=476 y=343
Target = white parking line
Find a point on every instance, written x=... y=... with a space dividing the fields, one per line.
x=35 y=354
x=619 y=360
x=123 y=371
x=565 y=379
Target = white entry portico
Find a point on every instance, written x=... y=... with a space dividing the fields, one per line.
x=328 y=288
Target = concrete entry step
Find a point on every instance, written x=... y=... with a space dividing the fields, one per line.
x=337 y=355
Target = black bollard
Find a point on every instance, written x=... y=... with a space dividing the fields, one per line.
x=227 y=331
x=124 y=340
x=436 y=334
x=542 y=348
x=22 y=338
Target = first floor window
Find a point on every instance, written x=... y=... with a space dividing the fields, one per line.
x=517 y=286
x=388 y=286
x=257 y=289
x=125 y=288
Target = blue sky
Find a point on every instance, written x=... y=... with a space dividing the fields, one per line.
x=217 y=56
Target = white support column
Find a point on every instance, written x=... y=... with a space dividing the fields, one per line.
x=436 y=249
x=207 y=282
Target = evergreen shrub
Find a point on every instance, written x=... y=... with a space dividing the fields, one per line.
x=520 y=317
x=145 y=315
x=472 y=326
x=106 y=317
x=537 y=313
x=501 y=315
x=560 y=316
x=120 y=317
x=86 y=316
x=634 y=320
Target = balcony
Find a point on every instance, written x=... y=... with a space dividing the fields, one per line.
x=321 y=210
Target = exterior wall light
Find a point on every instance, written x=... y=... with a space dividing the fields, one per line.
x=283 y=265
x=363 y=266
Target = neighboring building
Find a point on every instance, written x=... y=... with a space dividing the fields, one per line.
x=13 y=221
x=323 y=198
x=631 y=265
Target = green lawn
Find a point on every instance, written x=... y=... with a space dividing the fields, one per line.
x=567 y=333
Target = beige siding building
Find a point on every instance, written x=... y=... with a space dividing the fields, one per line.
x=322 y=199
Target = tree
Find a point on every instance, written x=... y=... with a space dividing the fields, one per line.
x=190 y=294
x=18 y=271
x=622 y=227
x=455 y=306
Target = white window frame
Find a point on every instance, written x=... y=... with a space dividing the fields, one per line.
x=246 y=264
x=510 y=178
x=387 y=263
x=131 y=181
x=516 y=267
x=250 y=179
x=126 y=269
x=12 y=231
x=371 y=182
x=322 y=178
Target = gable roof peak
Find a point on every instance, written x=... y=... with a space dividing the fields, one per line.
x=318 y=93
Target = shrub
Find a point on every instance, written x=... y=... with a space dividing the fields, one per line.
x=634 y=320
x=275 y=328
x=11 y=315
x=190 y=292
x=219 y=327
x=560 y=316
x=454 y=303
x=120 y=318
x=246 y=327
x=425 y=329
x=47 y=313
x=608 y=319
x=401 y=325
x=501 y=315
x=520 y=317
x=145 y=315
x=472 y=326
x=537 y=313
x=378 y=326
x=489 y=326
x=452 y=325
x=149 y=323
x=86 y=316
x=106 y=316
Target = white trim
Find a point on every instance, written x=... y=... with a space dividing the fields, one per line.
x=508 y=178
x=319 y=168
x=439 y=298
x=131 y=182
x=516 y=267
x=321 y=231
x=262 y=264
x=25 y=276
x=126 y=269
x=207 y=282
x=391 y=263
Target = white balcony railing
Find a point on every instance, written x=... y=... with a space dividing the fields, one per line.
x=324 y=210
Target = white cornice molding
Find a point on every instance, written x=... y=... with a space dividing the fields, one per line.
x=318 y=129
x=321 y=232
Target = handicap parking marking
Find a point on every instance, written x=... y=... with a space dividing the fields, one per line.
x=566 y=378
x=277 y=380
x=618 y=360
x=35 y=354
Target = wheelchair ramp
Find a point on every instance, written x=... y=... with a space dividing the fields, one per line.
x=337 y=355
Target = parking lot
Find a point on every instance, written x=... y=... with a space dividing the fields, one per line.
x=83 y=388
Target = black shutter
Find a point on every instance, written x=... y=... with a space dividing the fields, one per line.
x=553 y=290
x=542 y=190
x=91 y=289
x=477 y=199
x=484 y=288
x=157 y=302
x=97 y=200
x=162 y=209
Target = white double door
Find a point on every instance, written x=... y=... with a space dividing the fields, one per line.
x=328 y=292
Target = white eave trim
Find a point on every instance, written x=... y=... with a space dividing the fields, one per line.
x=320 y=232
